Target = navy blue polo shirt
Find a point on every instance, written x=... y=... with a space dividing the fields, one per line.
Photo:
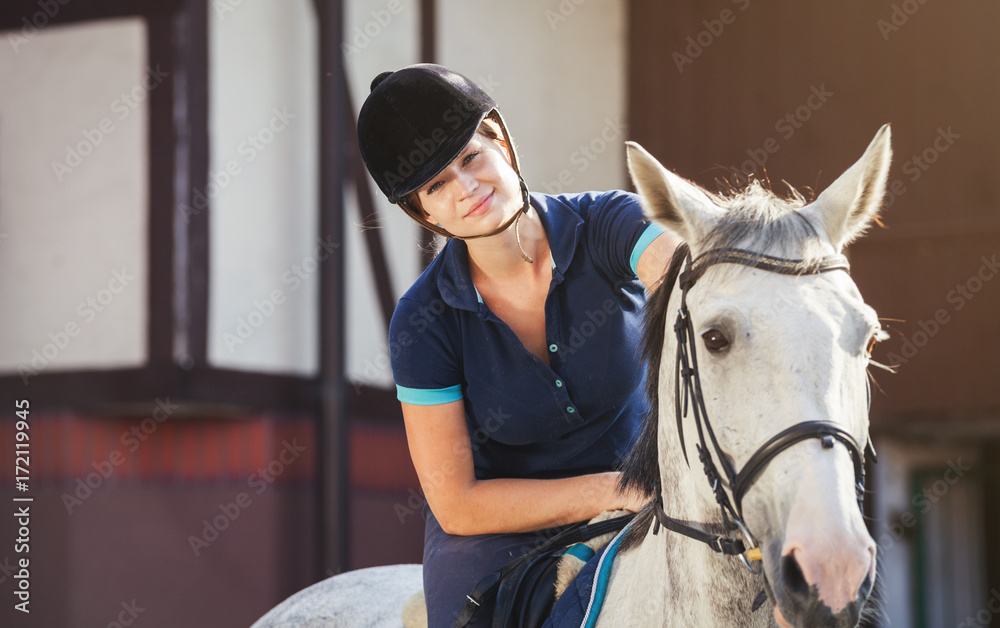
x=580 y=414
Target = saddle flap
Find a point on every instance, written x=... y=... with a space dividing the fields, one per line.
x=527 y=595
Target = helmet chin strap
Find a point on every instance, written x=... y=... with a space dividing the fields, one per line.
x=517 y=235
x=513 y=220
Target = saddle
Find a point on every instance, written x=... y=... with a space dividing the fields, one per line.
x=525 y=588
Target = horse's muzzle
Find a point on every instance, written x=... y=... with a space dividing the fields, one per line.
x=801 y=606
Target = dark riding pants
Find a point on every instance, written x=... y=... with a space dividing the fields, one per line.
x=454 y=564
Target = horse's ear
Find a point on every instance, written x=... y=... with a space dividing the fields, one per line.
x=848 y=206
x=668 y=199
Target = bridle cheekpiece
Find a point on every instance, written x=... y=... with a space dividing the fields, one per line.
x=688 y=392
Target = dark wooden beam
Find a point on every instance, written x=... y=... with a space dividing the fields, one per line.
x=191 y=228
x=428 y=31
x=333 y=495
x=164 y=147
x=428 y=54
x=368 y=218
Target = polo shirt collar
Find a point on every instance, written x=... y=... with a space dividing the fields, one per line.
x=454 y=282
x=563 y=227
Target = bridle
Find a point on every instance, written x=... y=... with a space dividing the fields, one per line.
x=688 y=382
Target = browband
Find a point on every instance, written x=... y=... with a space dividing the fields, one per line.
x=769 y=263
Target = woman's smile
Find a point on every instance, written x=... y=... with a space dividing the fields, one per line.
x=479 y=185
x=481 y=206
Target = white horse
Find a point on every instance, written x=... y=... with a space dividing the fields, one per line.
x=780 y=339
x=773 y=351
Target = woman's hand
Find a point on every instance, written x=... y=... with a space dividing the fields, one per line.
x=630 y=500
x=441 y=451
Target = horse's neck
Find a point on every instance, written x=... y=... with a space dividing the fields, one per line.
x=675 y=582
x=670 y=579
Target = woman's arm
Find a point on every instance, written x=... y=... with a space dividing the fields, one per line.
x=441 y=451
x=654 y=260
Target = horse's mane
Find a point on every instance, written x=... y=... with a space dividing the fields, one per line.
x=755 y=219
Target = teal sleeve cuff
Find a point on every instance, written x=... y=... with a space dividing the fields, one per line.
x=428 y=396
x=647 y=237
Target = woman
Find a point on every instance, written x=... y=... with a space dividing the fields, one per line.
x=518 y=372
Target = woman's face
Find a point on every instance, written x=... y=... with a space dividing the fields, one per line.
x=476 y=193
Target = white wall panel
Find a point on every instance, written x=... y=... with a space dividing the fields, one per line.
x=557 y=70
x=379 y=35
x=74 y=197
x=265 y=248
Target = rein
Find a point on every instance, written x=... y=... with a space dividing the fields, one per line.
x=688 y=381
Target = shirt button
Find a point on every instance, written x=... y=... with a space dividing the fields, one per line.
x=558 y=383
x=570 y=409
x=553 y=347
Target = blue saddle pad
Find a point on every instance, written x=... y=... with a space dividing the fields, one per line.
x=571 y=610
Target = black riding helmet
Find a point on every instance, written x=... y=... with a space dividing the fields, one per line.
x=415 y=122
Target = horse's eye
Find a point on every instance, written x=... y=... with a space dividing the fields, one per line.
x=715 y=340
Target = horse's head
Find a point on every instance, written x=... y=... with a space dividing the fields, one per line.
x=775 y=350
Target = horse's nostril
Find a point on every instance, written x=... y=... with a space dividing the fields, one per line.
x=791 y=573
